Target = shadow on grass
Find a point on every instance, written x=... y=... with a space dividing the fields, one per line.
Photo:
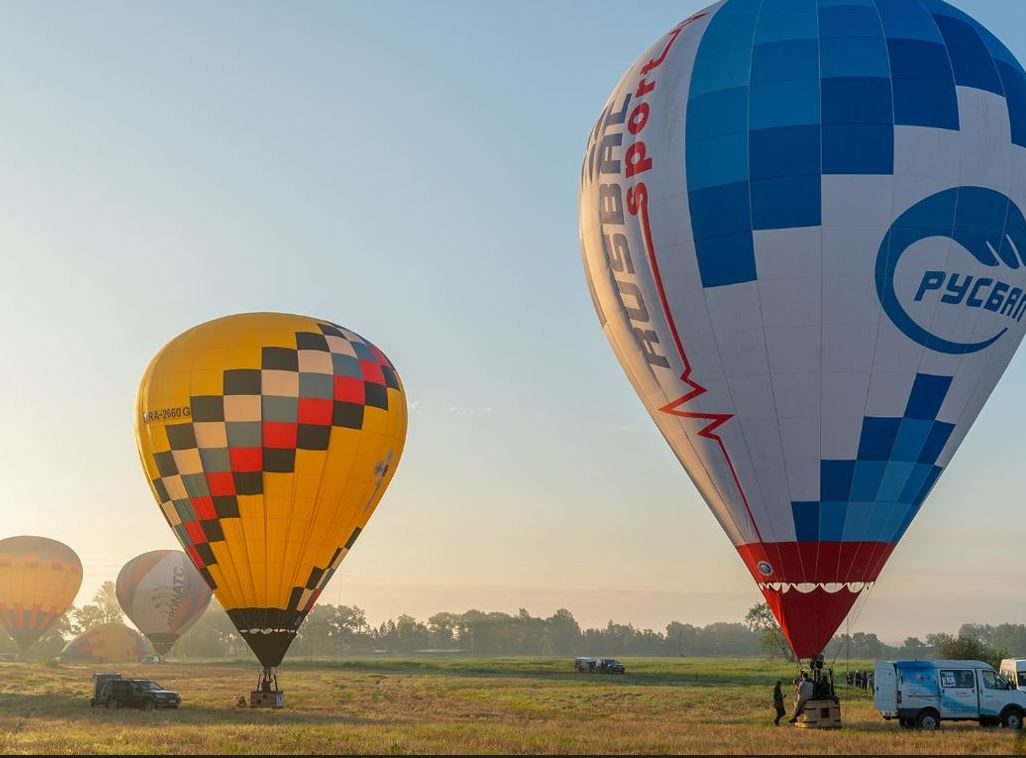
x=73 y=708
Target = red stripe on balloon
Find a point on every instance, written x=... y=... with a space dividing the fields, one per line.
x=714 y=419
x=791 y=561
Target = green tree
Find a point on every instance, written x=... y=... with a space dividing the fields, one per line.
x=444 y=627
x=1008 y=637
x=410 y=634
x=315 y=635
x=564 y=633
x=761 y=621
x=936 y=639
x=967 y=648
x=107 y=598
x=913 y=647
x=680 y=638
x=351 y=628
x=105 y=609
x=982 y=632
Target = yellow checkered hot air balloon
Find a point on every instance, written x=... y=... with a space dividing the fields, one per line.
x=268 y=439
x=39 y=579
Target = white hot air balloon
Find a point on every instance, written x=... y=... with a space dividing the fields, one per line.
x=802 y=229
x=163 y=594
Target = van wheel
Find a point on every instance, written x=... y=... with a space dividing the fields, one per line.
x=928 y=720
x=1012 y=719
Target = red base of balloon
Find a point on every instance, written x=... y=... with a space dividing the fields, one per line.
x=811 y=586
x=809 y=619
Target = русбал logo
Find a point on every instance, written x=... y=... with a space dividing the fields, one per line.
x=990 y=228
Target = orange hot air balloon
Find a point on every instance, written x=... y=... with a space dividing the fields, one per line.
x=39 y=579
x=106 y=643
x=268 y=440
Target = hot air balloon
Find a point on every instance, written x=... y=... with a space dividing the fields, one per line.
x=39 y=579
x=268 y=440
x=802 y=227
x=106 y=643
x=163 y=595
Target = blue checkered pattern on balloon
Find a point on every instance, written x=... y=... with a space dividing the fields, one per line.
x=786 y=91
x=875 y=497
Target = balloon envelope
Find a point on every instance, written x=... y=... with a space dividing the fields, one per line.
x=268 y=440
x=163 y=594
x=802 y=229
x=39 y=579
x=107 y=643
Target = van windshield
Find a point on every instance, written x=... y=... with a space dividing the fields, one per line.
x=994 y=681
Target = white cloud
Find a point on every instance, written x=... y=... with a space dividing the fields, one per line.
x=458 y=411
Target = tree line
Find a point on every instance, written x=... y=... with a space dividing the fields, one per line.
x=339 y=630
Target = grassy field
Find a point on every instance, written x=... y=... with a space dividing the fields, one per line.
x=478 y=705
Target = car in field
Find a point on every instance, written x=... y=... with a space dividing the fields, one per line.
x=100 y=681
x=611 y=666
x=921 y=694
x=585 y=664
x=589 y=665
x=117 y=692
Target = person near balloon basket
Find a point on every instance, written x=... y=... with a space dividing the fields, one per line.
x=803 y=694
x=778 y=703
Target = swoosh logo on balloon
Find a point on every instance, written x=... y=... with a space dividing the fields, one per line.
x=986 y=223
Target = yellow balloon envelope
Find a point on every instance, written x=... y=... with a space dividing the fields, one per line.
x=107 y=643
x=39 y=579
x=268 y=440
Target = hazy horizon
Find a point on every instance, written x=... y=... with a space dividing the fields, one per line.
x=163 y=166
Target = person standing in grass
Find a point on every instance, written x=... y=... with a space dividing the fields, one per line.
x=778 y=703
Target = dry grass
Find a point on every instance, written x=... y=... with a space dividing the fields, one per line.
x=454 y=706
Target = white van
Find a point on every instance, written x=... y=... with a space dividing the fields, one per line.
x=923 y=693
x=1014 y=670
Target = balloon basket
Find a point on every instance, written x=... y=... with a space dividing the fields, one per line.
x=267 y=694
x=823 y=709
x=267 y=699
x=820 y=714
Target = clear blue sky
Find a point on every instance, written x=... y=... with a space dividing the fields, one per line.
x=408 y=170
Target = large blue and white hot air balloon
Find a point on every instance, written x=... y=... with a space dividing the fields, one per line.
x=802 y=226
